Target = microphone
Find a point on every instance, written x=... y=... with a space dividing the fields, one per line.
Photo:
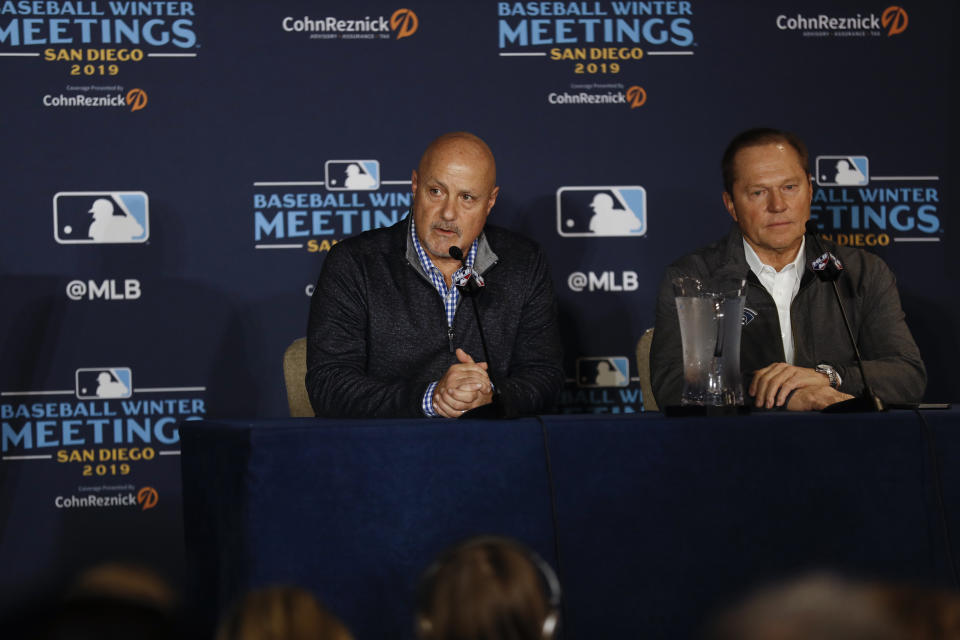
x=829 y=269
x=470 y=283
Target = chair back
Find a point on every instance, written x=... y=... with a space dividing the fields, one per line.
x=294 y=377
x=643 y=370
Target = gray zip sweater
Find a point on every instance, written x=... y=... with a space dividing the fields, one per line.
x=869 y=293
x=377 y=333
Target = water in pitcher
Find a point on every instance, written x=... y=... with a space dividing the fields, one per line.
x=710 y=326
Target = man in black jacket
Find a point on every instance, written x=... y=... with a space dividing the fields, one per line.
x=794 y=350
x=390 y=336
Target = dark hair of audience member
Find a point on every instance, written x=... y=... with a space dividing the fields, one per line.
x=117 y=601
x=824 y=607
x=486 y=588
x=828 y=607
x=923 y=614
x=281 y=613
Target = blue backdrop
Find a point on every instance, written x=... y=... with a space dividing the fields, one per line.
x=174 y=173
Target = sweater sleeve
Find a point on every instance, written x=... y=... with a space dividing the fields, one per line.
x=535 y=375
x=337 y=352
x=891 y=358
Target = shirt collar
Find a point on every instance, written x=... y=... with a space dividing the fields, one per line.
x=757 y=266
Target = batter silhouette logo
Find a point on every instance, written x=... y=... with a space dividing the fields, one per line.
x=136 y=99
x=611 y=371
x=147 y=498
x=103 y=383
x=404 y=23
x=894 y=20
x=846 y=171
x=602 y=211
x=101 y=217
x=352 y=175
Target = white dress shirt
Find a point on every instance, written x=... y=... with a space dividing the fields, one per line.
x=783 y=286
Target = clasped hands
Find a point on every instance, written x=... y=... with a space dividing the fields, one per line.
x=466 y=385
x=811 y=391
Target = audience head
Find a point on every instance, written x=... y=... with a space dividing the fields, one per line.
x=922 y=614
x=116 y=601
x=281 y=613
x=830 y=608
x=488 y=588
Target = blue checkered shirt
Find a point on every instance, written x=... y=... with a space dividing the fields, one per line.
x=450 y=295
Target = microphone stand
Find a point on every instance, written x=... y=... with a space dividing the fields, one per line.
x=868 y=402
x=498 y=407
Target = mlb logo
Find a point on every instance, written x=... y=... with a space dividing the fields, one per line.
x=601 y=211
x=611 y=371
x=843 y=171
x=101 y=217
x=352 y=175
x=104 y=382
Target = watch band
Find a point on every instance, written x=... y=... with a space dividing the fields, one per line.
x=832 y=376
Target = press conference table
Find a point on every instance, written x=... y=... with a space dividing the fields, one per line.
x=658 y=521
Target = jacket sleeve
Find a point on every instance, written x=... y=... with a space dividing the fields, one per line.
x=891 y=358
x=336 y=378
x=535 y=375
x=666 y=350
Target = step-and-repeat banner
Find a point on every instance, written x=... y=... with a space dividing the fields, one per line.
x=174 y=173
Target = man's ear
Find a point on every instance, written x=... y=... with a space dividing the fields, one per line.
x=728 y=203
x=413 y=181
x=492 y=200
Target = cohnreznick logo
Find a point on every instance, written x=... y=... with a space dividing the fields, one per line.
x=895 y=19
x=136 y=99
x=635 y=96
x=147 y=498
x=404 y=23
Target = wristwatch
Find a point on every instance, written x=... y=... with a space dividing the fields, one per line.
x=831 y=373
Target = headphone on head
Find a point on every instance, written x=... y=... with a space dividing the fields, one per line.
x=548 y=578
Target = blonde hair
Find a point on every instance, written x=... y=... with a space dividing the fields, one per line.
x=281 y=613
